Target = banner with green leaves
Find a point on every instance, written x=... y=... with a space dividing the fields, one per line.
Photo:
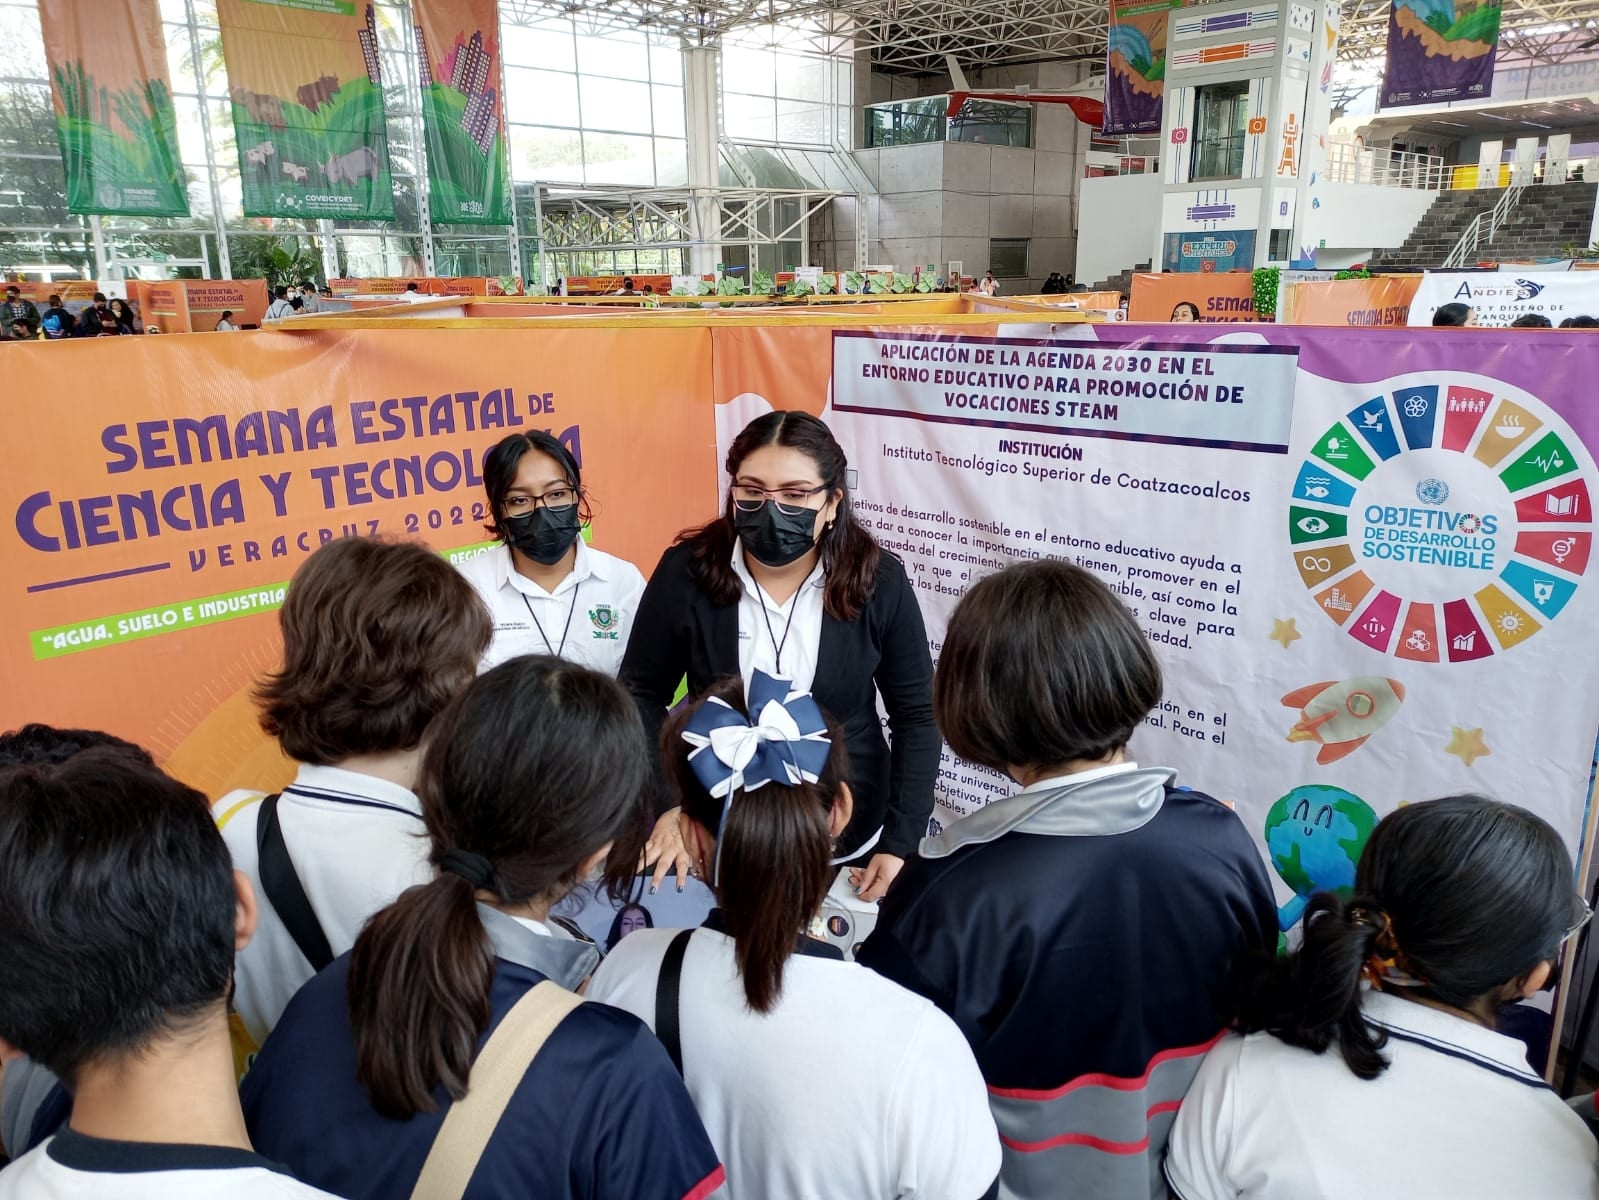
x=463 y=112
x=113 y=106
x=307 y=91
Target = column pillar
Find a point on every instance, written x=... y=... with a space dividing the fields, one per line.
x=701 y=108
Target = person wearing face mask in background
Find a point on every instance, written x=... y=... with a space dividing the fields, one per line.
x=547 y=589
x=788 y=582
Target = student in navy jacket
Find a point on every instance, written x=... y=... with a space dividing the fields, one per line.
x=1082 y=932
x=788 y=582
x=530 y=780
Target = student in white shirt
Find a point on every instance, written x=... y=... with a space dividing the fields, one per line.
x=280 y=306
x=1381 y=1073
x=119 y=918
x=758 y=1016
x=547 y=589
x=377 y=638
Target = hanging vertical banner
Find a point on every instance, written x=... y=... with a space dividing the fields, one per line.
x=1135 y=71
x=113 y=106
x=1440 y=50
x=307 y=91
x=463 y=113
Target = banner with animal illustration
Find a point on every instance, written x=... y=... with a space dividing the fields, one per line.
x=1363 y=560
x=114 y=114
x=307 y=93
x=463 y=110
x=1439 y=51
x=1135 y=65
x=148 y=537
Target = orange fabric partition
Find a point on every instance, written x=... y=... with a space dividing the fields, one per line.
x=1225 y=296
x=165 y=305
x=1384 y=300
x=149 y=537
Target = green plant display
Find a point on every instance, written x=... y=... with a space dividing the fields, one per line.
x=854 y=282
x=902 y=284
x=133 y=170
x=1266 y=282
x=1355 y=273
x=762 y=283
x=278 y=260
x=825 y=286
x=729 y=285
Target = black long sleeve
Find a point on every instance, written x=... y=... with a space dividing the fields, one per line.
x=904 y=677
x=657 y=655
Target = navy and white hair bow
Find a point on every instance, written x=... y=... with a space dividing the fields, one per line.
x=783 y=740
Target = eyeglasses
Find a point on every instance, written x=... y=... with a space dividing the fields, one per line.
x=561 y=497
x=1582 y=919
x=791 y=500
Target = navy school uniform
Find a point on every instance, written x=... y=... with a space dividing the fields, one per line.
x=601 y=1113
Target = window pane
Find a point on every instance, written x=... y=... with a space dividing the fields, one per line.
x=745 y=70
x=666 y=63
x=619 y=55
x=615 y=158
x=549 y=46
x=750 y=117
x=29 y=125
x=668 y=102
x=802 y=78
x=613 y=104
x=1007 y=258
x=547 y=97
x=671 y=162
x=802 y=122
x=539 y=153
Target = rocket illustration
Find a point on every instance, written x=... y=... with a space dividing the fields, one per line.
x=1341 y=716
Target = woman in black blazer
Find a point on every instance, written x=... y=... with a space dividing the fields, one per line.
x=788 y=582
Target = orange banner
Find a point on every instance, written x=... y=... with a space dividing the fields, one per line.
x=1225 y=296
x=164 y=305
x=1384 y=300
x=148 y=538
x=465 y=285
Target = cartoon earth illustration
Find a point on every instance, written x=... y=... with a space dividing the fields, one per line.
x=1315 y=835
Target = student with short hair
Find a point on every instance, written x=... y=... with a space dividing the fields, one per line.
x=119 y=919
x=745 y=1002
x=1080 y=933
x=377 y=638
x=1380 y=1029
x=547 y=590
x=531 y=784
x=280 y=306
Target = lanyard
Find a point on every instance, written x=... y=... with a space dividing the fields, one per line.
x=558 y=652
x=793 y=607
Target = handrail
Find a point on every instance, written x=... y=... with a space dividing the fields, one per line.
x=1495 y=217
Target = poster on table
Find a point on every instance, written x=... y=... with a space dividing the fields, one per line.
x=149 y=537
x=1362 y=561
x=1498 y=298
x=307 y=93
x=115 y=119
x=463 y=111
x=1135 y=65
x=1439 y=51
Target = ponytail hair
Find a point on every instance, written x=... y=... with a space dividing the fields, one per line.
x=774 y=850
x=1456 y=900
x=534 y=768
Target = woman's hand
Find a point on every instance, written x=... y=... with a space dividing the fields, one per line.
x=871 y=881
x=666 y=852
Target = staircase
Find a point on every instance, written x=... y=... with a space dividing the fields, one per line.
x=1122 y=283
x=1542 y=224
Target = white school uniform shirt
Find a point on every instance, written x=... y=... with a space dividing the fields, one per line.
x=278 y=309
x=71 y=1166
x=764 y=625
x=587 y=618
x=356 y=842
x=1457 y=1114
x=851 y=1086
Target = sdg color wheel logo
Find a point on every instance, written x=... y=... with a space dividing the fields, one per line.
x=1440 y=522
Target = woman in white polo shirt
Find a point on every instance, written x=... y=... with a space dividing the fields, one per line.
x=759 y=1017
x=1461 y=906
x=548 y=590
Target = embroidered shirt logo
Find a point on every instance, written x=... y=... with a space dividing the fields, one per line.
x=606 y=621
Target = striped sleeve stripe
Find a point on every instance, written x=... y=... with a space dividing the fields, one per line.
x=1116 y=1082
x=224 y=818
x=707 y=1185
x=1089 y=1140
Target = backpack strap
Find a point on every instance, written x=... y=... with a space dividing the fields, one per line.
x=283 y=888
x=667 y=985
x=497 y=1072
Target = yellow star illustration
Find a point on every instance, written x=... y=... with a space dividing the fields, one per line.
x=1467 y=744
x=1284 y=632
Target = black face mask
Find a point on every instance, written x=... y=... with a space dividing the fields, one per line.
x=545 y=534
x=773 y=536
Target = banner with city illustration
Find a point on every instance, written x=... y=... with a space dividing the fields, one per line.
x=307 y=92
x=1440 y=50
x=463 y=113
x=1135 y=67
x=113 y=107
